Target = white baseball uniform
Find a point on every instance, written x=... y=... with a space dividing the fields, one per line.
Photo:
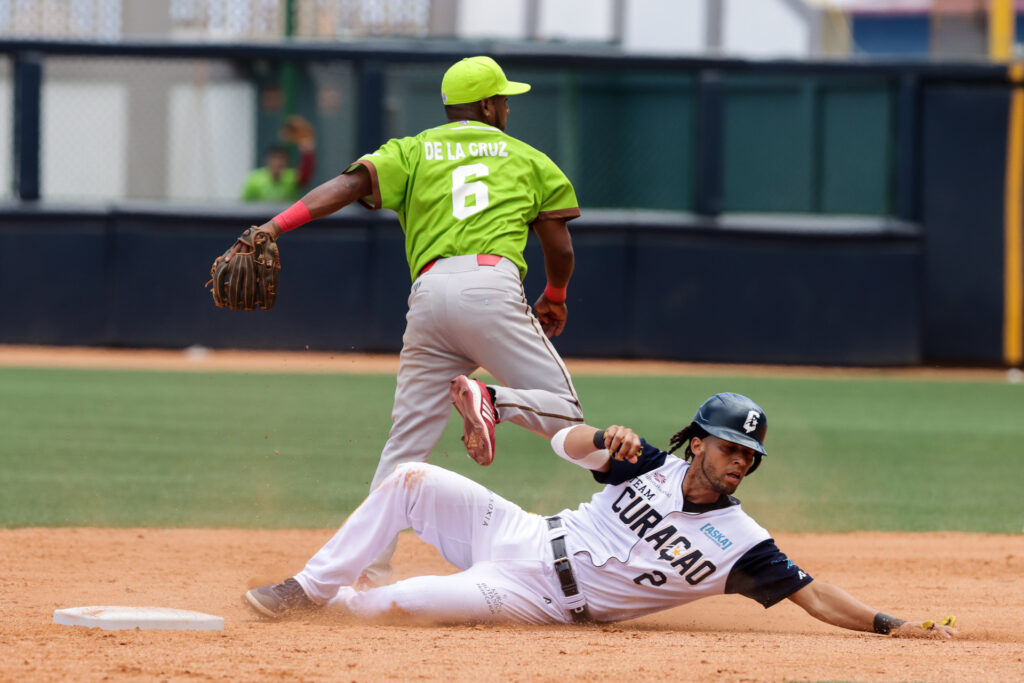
x=636 y=547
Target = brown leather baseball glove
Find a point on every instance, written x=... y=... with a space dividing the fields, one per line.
x=246 y=276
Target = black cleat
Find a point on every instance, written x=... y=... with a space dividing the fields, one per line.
x=279 y=600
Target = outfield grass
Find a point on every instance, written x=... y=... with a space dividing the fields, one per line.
x=127 y=448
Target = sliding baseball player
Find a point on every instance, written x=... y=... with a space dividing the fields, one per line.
x=664 y=531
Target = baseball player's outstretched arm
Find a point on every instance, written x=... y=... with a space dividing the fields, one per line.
x=318 y=202
x=559 y=261
x=835 y=606
x=331 y=196
x=594 y=448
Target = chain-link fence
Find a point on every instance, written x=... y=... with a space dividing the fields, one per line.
x=310 y=18
x=119 y=128
x=62 y=18
x=219 y=19
x=158 y=128
x=116 y=128
x=354 y=18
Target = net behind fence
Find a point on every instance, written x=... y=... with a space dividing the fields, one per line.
x=218 y=19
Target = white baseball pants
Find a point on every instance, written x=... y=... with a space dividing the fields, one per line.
x=463 y=315
x=503 y=551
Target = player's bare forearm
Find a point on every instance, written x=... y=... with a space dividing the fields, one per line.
x=621 y=443
x=331 y=196
x=555 y=241
x=835 y=606
x=559 y=261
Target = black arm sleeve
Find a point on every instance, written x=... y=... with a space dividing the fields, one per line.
x=766 y=575
x=651 y=458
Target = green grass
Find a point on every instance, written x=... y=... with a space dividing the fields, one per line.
x=128 y=448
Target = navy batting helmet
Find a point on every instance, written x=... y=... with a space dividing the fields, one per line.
x=736 y=419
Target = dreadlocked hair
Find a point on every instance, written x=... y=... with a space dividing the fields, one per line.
x=681 y=438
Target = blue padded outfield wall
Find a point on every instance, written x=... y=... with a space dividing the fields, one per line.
x=694 y=290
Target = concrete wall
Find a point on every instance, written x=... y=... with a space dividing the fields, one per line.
x=745 y=28
x=682 y=27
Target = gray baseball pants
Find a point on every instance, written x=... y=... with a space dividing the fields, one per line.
x=463 y=315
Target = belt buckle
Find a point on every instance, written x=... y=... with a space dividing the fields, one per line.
x=565 y=577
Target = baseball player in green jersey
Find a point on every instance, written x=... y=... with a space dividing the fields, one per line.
x=467 y=194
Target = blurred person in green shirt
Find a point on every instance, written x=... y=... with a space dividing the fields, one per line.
x=276 y=181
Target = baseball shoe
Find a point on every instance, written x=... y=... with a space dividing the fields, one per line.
x=471 y=398
x=276 y=601
x=363 y=583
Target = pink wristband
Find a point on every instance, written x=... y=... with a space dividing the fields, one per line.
x=555 y=295
x=295 y=215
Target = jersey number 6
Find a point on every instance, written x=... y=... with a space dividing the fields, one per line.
x=462 y=191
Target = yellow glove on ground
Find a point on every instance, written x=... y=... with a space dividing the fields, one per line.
x=929 y=625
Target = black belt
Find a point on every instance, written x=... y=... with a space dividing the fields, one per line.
x=563 y=569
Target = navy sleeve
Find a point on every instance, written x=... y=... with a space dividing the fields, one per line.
x=766 y=575
x=623 y=470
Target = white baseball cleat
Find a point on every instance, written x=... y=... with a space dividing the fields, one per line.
x=471 y=398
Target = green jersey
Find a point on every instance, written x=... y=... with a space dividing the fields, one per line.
x=466 y=188
x=260 y=186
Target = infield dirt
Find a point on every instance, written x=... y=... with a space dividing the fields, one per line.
x=726 y=638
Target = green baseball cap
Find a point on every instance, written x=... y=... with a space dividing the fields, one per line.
x=475 y=78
